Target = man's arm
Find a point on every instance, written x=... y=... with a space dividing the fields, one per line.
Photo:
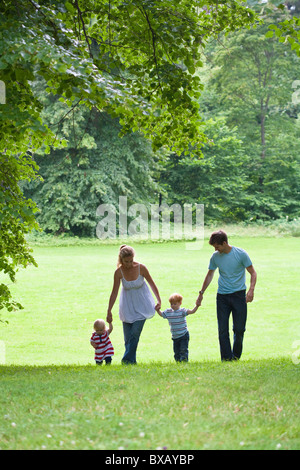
x=208 y=278
x=253 y=278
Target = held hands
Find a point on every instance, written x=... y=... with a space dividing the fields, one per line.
x=109 y=317
x=157 y=308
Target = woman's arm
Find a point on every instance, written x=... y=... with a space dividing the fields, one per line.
x=144 y=272
x=158 y=310
x=113 y=295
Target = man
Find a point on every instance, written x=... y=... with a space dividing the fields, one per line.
x=231 y=296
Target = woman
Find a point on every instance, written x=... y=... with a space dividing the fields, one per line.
x=136 y=301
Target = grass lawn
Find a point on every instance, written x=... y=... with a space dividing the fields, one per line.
x=205 y=405
x=71 y=287
x=50 y=386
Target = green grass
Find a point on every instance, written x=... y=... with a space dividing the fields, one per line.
x=207 y=405
x=51 y=387
x=71 y=287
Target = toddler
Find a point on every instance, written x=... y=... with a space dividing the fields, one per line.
x=176 y=316
x=100 y=341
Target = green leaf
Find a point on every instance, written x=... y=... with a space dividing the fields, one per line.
x=70 y=7
x=269 y=34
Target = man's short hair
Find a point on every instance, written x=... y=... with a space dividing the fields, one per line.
x=218 y=238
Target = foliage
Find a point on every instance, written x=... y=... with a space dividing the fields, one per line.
x=134 y=60
x=217 y=180
x=250 y=83
x=17 y=218
x=96 y=167
x=288 y=30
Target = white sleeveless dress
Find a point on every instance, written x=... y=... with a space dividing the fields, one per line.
x=136 y=301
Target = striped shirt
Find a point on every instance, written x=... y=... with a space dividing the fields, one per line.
x=177 y=321
x=104 y=348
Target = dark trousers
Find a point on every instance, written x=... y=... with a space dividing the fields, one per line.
x=106 y=359
x=234 y=303
x=181 y=348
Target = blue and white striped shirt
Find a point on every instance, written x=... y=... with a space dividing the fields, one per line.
x=177 y=321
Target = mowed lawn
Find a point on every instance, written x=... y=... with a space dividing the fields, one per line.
x=159 y=407
x=71 y=287
x=52 y=396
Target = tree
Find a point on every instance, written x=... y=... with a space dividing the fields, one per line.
x=17 y=218
x=96 y=167
x=133 y=59
x=217 y=180
x=252 y=75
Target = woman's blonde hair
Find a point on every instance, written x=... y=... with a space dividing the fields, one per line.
x=125 y=251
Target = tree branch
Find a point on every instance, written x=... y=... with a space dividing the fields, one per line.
x=153 y=35
x=83 y=27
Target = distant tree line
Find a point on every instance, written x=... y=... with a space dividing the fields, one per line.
x=249 y=169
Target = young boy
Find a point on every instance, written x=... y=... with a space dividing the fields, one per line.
x=101 y=343
x=176 y=316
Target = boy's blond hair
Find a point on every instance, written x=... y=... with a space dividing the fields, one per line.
x=99 y=324
x=175 y=297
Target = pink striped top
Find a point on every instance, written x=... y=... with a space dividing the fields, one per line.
x=104 y=347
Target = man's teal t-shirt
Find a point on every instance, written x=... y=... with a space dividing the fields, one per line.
x=232 y=274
